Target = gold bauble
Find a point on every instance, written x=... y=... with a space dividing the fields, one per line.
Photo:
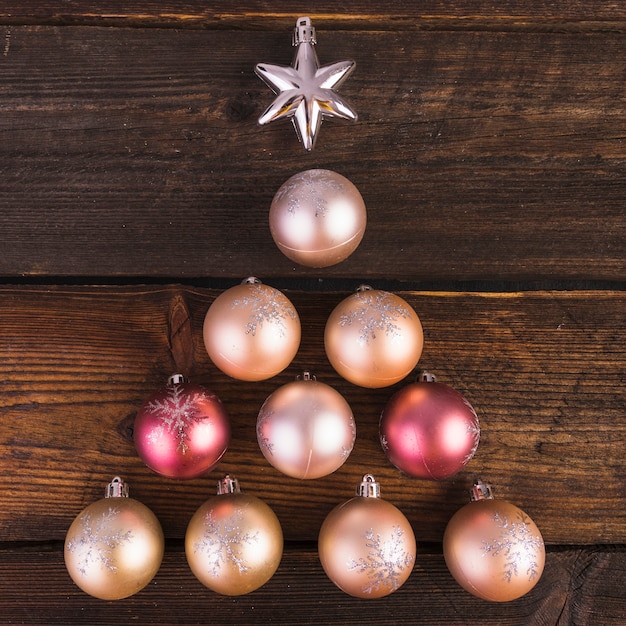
x=373 y=338
x=366 y=545
x=252 y=331
x=493 y=549
x=115 y=546
x=234 y=541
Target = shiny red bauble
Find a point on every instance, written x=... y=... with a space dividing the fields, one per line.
x=182 y=430
x=429 y=430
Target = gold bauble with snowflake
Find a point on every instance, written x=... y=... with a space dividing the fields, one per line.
x=115 y=546
x=252 y=331
x=492 y=548
x=373 y=338
x=234 y=541
x=366 y=545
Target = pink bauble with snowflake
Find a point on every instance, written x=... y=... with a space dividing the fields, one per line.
x=182 y=430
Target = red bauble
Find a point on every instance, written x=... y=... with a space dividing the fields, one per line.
x=182 y=431
x=493 y=549
x=429 y=430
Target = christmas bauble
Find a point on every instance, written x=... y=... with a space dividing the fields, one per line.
x=234 y=541
x=306 y=429
x=114 y=547
x=493 y=549
x=429 y=430
x=373 y=338
x=366 y=545
x=252 y=331
x=317 y=218
x=182 y=430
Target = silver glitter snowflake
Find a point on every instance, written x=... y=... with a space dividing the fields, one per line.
x=378 y=312
x=517 y=543
x=265 y=416
x=265 y=308
x=222 y=539
x=177 y=412
x=96 y=542
x=385 y=561
x=309 y=188
x=473 y=429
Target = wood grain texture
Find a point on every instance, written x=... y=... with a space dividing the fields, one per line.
x=489 y=151
x=481 y=156
x=544 y=371
x=263 y=14
x=578 y=587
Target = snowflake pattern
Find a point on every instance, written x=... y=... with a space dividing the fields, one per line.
x=265 y=307
x=96 y=542
x=517 y=543
x=473 y=429
x=309 y=188
x=265 y=417
x=221 y=541
x=385 y=562
x=177 y=411
x=378 y=312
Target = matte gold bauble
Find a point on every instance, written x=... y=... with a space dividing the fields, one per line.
x=115 y=546
x=373 y=338
x=306 y=429
x=252 y=331
x=493 y=549
x=234 y=541
x=317 y=218
x=366 y=545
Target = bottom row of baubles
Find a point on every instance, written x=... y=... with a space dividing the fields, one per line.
x=234 y=544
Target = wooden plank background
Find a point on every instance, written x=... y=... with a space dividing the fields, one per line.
x=135 y=186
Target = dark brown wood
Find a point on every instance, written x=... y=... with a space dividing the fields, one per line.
x=544 y=372
x=480 y=156
x=489 y=152
x=578 y=587
x=362 y=15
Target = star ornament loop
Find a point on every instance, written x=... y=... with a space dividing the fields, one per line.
x=305 y=91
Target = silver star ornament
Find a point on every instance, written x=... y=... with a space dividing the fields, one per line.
x=305 y=91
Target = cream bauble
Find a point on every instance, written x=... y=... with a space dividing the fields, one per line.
x=306 y=429
x=317 y=218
